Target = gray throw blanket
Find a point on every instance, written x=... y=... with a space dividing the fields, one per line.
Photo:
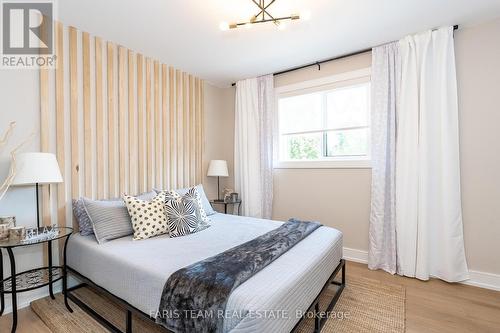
x=194 y=298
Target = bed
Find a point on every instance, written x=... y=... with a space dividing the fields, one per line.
x=136 y=271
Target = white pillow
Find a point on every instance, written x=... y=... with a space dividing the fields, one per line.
x=148 y=217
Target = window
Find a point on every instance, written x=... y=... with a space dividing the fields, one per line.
x=325 y=123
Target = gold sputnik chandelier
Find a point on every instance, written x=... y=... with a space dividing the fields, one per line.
x=262 y=16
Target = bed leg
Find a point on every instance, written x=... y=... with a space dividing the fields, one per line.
x=343 y=272
x=129 y=321
x=317 y=319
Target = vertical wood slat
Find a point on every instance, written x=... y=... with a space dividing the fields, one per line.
x=185 y=129
x=165 y=121
x=157 y=125
x=111 y=120
x=60 y=137
x=132 y=126
x=192 y=134
x=73 y=77
x=44 y=147
x=140 y=121
x=99 y=115
x=44 y=140
x=202 y=124
x=87 y=126
x=179 y=156
x=199 y=162
x=122 y=123
x=149 y=134
x=172 y=115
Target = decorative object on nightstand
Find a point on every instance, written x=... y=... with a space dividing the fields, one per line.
x=36 y=277
x=6 y=222
x=230 y=196
x=227 y=203
x=218 y=168
x=36 y=169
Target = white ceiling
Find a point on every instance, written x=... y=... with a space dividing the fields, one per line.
x=185 y=33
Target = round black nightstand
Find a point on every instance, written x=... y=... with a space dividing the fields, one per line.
x=34 y=278
x=217 y=202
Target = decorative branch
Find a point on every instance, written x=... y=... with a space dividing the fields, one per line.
x=12 y=171
x=8 y=133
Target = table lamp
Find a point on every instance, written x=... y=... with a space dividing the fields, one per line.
x=218 y=168
x=36 y=169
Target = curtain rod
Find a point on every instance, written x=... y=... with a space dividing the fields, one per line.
x=319 y=63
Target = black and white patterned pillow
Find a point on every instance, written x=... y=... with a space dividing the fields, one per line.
x=183 y=213
x=148 y=218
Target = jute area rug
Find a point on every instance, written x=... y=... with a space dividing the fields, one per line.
x=365 y=306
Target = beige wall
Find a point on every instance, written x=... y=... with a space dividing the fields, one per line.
x=478 y=71
x=219 y=135
x=341 y=197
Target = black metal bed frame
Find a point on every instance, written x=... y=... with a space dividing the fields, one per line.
x=319 y=321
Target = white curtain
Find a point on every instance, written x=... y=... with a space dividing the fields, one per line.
x=386 y=77
x=426 y=204
x=253 y=149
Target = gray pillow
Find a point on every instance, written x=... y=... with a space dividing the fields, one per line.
x=204 y=200
x=110 y=218
x=83 y=219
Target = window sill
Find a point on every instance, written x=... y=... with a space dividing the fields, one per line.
x=336 y=164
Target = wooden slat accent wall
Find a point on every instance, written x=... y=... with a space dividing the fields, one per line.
x=134 y=123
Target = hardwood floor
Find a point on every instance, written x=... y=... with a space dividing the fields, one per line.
x=433 y=306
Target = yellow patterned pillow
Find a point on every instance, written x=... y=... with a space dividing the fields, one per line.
x=148 y=217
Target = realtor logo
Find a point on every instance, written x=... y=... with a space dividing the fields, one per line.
x=27 y=34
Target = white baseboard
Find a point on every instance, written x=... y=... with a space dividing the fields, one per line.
x=356 y=255
x=483 y=280
x=476 y=279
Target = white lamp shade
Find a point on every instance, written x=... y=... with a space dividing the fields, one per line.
x=41 y=168
x=217 y=168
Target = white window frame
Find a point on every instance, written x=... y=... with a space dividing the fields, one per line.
x=330 y=82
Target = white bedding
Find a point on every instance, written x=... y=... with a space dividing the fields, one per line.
x=136 y=271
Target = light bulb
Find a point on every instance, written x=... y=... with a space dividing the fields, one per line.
x=306 y=15
x=224 y=26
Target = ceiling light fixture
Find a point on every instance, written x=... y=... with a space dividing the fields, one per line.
x=263 y=16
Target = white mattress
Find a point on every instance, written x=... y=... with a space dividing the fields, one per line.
x=136 y=271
